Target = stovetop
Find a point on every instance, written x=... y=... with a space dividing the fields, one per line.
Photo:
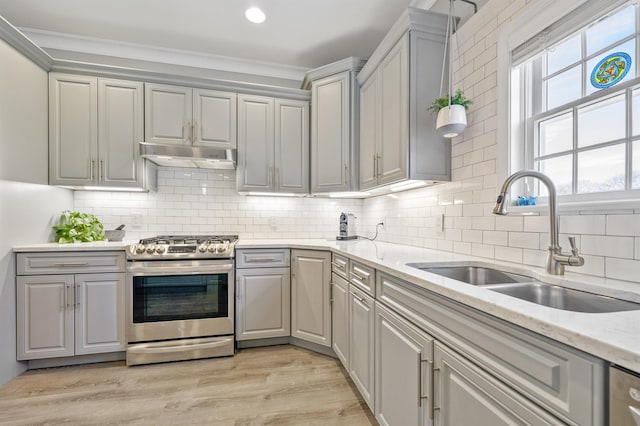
x=167 y=247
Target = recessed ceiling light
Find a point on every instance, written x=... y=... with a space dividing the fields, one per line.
x=255 y=15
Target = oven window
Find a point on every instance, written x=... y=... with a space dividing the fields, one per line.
x=179 y=297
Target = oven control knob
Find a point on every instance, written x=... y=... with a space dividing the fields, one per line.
x=161 y=249
x=212 y=248
x=151 y=249
x=220 y=248
x=140 y=248
x=202 y=248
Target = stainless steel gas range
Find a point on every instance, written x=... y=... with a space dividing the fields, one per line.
x=180 y=298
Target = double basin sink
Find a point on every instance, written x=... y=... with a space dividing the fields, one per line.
x=530 y=289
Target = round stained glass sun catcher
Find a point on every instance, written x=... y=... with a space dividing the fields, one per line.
x=610 y=70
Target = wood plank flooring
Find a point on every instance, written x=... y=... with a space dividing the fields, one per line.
x=277 y=385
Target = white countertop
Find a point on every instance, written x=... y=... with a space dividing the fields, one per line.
x=612 y=336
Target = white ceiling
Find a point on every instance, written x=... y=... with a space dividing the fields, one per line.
x=299 y=34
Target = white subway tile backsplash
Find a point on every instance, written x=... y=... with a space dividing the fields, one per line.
x=622 y=269
x=607 y=246
x=583 y=224
x=508 y=254
x=530 y=240
x=509 y=223
x=623 y=225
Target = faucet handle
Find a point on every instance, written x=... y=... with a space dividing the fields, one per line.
x=574 y=249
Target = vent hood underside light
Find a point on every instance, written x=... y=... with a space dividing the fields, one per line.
x=202 y=157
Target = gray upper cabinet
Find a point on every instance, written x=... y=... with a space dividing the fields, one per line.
x=273 y=154
x=398 y=140
x=95 y=125
x=185 y=116
x=334 y=129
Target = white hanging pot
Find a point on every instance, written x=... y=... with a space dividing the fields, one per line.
x=451 y=121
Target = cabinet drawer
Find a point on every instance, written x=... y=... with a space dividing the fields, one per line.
x=69 y=262
x=561 y=379
x=263 y=258
x=340 y=265
x=363 y=277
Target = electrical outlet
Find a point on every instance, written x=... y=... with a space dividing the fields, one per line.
x=136 y=220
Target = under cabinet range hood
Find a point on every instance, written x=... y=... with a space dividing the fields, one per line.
x=202 y=157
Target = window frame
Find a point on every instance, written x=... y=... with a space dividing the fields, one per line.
x=513 y=123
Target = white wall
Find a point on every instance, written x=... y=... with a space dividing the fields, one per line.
x=28 y=207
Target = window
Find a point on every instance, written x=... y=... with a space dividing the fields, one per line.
x=575 y=106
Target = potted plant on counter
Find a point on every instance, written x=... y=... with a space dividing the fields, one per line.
x=77 y=227
x=452 y=114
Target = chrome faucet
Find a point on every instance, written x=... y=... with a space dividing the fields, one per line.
x=555 y=258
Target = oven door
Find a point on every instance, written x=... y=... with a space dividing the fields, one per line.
x=179 y=299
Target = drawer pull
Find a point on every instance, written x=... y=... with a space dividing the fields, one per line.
x=359 y=277
x=67 y=264
x=338 y=265
x=261 y=260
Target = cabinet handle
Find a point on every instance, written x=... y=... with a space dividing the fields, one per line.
x=338 y=265
x=378 y=166
x=360 y=299
x=277 y=178
x=91 y=162
x=185 y=138
x=435 y=386
x=375 y=166
x=77 y=295
x=101 y=171
x=346 y=174
x=67 y=294
x=359 y=277
x=270 y=176
x=260 y=260
x=72 y=264
x=195 y=132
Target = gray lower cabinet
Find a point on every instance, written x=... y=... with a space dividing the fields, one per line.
x=310 y=296
x=403 y=375
x=340 y=318
x=361 y=343
x=263 y=293
x=466 y=395
x=74 y=308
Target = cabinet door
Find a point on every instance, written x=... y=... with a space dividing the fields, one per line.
x=120 y=118
x=44 y=312
x=255 y=143
x=369 y=132
x=330 y=128
x=214 y=118
x=393 y=73
x=403 y=374
x=263 y=303
x=361 y=347
x=486 y=401
x=340 y=318
x=310 y=292
x=73 y=131
x=167 y=114
x=292 y=146
x=99 y=318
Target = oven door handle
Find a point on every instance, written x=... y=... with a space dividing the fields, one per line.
x=137 y=270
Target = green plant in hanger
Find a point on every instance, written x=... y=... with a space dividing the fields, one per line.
x=443 y=101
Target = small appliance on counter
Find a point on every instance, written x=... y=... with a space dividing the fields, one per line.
x=347 y=227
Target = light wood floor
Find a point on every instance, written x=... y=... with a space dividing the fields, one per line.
x=278 y=385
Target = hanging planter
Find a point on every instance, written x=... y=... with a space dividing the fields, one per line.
x=451 y=110
x=452 y=114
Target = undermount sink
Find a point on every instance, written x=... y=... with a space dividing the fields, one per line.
x=474 y=275
x=530 y=289
x=564 y=298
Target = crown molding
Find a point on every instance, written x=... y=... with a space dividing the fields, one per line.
x=348 y=64
x=62 y=41
x=431 y=24
x=24 y=45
